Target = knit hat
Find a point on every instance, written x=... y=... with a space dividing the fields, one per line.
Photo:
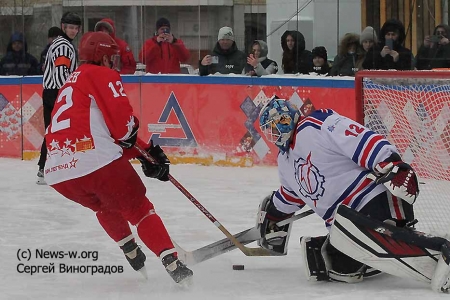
x=225 y=33
x=320 y=51
x=17 y=37
x=368 y=34
x=54 y=32
x=162 y=22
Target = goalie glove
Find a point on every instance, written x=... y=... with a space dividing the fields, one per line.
x=159 y=170
x=273 y=238
x=399 y=178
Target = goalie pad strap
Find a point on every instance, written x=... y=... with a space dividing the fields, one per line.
x=396 y=251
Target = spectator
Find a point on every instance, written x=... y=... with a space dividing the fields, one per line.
x=257 y=62
x=225 y=58
x=435 y=50
x=163 y=52
x=367 y=39
x=128 y=63
x=389 y=52
x=17 y=60
x=349 y=53
x=295 y=58
x=320 y=60
x=53 y=33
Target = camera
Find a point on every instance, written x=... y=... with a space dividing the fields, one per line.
x=214 y=59
x=166 y=30
x=435 y=38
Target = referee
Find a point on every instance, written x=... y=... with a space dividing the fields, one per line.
x=60 y=62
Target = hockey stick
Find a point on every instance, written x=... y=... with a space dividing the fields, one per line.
x=225 y=245
x=246 y=250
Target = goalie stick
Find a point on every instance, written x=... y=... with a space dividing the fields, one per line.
x=225 y=245
x=246 y=250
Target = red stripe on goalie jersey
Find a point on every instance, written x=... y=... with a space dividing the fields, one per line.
x=290 y=198
x=368 y=149
x=396 y=207
x=396 y=247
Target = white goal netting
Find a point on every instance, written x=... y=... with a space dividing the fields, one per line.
x=414 y=115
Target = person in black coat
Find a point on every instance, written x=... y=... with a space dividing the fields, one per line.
x=435 y=50
x=295 y=58
x=225 y=58
x=17 y=60
x=320 y=60
x=389 y=53
x=53 y=33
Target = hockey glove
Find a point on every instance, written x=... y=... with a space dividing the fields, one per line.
x=131 y=140
x=399 y=178
x=159 y=170
x=272 y=237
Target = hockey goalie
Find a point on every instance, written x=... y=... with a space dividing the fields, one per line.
x=356 y=181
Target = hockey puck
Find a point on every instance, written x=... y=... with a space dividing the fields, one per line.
x=238 y=267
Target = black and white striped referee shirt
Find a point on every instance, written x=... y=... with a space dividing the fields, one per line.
x=60 y=62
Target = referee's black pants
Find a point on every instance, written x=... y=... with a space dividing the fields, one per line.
x=48 y=100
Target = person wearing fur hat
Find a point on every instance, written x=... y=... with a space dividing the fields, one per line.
x=320 y=60
x=257 y=62
x=345 y=63
x=389 y=53
x=163 y=53
x=127 y=61
x=17 y=60
x=295 y=58
x=225 y=57
x=435 y=50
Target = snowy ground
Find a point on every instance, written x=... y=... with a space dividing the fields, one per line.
x=36 y=217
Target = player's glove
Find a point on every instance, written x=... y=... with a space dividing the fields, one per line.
x=399 y=178
x=160 y=170
x=131 y=140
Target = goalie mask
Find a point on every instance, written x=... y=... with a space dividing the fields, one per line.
x=278 y=120
x=94 y=45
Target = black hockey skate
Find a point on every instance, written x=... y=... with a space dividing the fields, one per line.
x=176 y=269
x=134 y=255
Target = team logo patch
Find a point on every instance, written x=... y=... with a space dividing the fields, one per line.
x=309 y=179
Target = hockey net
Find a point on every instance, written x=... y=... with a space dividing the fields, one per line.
x=412 y=110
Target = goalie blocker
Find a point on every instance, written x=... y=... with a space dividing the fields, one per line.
x=402 y=252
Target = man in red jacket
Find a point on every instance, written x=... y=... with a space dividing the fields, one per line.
x=163 y=52
x=128 y=63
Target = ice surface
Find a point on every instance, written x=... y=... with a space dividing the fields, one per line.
x=36 y=217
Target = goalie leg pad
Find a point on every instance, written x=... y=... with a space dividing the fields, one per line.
x=397 y=251
x=272 y=237
x=324 y=262
x=315 y=267
x=440 y=282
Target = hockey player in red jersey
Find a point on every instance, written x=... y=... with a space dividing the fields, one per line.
x=356 y=181
x=90 y=141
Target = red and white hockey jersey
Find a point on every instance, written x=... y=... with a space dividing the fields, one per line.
x=327 y=165
x=91 y=112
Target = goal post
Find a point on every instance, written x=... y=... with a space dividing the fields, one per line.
x=412 y=110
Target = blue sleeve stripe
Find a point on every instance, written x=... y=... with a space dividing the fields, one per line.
x=345 y=194
x=360 y=147
x=308 y=124
x=375 y=152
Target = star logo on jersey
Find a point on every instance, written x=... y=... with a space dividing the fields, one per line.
x=73 y=163
x=130 y=124
x=309 y=179
x=331 y=128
